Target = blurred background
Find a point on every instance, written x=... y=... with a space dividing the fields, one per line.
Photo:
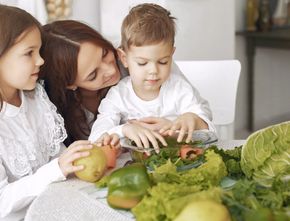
x=207 y=30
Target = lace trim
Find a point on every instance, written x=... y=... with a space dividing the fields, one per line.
x=23 y=157
x=57 y=133
x=20 y=158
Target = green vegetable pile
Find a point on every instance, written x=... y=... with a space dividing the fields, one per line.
x=252 y=181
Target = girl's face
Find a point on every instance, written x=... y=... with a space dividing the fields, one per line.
x=149 y=67
x=97 y=68
x=19 y=66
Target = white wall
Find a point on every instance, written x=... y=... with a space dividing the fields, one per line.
x=9 y=2
x=205 y=30
x=272 y=78
x=87 y=11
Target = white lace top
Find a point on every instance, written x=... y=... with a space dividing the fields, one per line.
x=30 y=137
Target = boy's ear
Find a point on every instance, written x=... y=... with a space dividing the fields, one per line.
x=173 y=50
x=123 y=57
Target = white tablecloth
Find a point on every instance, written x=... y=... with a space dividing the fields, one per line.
x=75 y=200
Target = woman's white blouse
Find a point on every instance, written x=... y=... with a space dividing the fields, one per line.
x=30 y=137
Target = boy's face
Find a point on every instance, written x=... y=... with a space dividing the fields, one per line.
x=149 y=66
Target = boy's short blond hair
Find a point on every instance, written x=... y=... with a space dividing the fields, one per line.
x=147 y=24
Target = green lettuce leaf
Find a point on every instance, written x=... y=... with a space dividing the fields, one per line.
x=165 y=201
x=208 y=174
x=266 y=154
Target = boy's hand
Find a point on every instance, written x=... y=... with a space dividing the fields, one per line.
x=185 y=124
x=75 y=151
x=153 y=123
x=108 y=139
x=143 y=136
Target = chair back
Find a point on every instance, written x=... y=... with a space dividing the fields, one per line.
x=217 y=82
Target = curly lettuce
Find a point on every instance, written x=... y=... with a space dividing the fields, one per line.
x=208 y=174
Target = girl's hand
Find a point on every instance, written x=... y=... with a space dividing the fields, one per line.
x=108 y=139
x=75 y=151
x=153 y=123
x=143 y=136
x=186 y=124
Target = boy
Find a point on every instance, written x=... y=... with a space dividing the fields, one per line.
x=152 y=89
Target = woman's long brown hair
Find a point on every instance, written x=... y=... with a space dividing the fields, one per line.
x=60 y=47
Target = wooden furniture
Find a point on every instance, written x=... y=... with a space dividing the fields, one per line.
x=279 y=39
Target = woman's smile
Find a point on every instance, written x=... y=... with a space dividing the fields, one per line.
x=111 y=80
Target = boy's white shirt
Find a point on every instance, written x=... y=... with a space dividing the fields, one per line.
x=31 y=139
x=177 y=96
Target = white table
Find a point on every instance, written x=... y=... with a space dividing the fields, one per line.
x=76 y=200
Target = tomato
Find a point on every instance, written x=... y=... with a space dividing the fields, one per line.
x=198 y=150
x=111 y=155
x=189 y=152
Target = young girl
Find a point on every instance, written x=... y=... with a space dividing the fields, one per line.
x=31 y=132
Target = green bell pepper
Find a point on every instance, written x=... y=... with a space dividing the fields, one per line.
x=127 y=186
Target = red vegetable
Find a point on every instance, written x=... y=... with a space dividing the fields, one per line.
x=111 y=155
x=189 y=152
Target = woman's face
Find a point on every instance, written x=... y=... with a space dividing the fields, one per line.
x=97 y=68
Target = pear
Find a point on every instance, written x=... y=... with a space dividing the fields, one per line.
x=204 y=210
x=94 y=165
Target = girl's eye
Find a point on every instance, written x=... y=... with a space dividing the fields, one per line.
x=105 y=52
x=29 y=53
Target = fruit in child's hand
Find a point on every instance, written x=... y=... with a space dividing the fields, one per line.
x=111 y=155
x=204 y=210
x=94 y=165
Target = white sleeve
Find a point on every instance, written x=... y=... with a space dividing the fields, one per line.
x=109 y=117
x=17 y=195
x=189 y=100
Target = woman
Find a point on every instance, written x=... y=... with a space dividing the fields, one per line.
x=77 y=76
x=80 y=65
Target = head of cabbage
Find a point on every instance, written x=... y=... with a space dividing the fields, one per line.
x=266 y=154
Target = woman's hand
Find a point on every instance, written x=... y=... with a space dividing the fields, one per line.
x=75 y=151
x=153 y=123
x=108 y=139
x=185 y=124
x=143 y=136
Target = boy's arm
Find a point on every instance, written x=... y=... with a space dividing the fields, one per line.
x=189 y=100
x=109 y=116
